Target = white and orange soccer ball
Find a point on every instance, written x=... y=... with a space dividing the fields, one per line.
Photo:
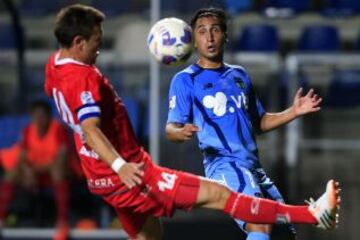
x=170 y=41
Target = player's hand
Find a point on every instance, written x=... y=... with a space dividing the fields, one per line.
x=131 y=174
x=308 y=103
x=188 y=131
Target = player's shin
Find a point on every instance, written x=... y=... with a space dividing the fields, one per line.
x=257 y=210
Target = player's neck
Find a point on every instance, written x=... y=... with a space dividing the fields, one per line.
x=205 y=63
x=68 y=53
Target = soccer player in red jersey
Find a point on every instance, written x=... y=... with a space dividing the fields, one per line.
x=38 y=160
x=116 y=166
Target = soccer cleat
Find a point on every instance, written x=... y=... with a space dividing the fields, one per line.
x=325 y=209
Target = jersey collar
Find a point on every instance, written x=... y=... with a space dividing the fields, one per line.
x=64 y=61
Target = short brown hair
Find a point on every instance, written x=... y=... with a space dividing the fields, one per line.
x=42 y=105
x=210 y=12
x=76 y=20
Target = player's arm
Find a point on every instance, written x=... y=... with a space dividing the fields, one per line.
x=129 y=173
x=179 y=132
x=302 y=105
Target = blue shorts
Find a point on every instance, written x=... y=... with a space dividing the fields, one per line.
x=240 y=179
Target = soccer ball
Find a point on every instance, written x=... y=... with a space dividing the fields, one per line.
x=170 y=41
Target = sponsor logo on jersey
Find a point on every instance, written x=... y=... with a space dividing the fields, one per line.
x=239 y=82
x=100 y=183
x=86 y=97
x=219 y=103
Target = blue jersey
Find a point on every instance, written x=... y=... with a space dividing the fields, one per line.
x=223 y=104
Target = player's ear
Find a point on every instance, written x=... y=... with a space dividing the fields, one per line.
x=78 y=41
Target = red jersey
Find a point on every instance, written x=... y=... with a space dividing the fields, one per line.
x=80 y=91
x=42 y=150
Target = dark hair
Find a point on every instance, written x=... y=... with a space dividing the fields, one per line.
x=40 y=104
x=210 y=12
x=76 y=20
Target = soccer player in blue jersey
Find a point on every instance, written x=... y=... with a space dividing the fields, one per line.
x=217 y=102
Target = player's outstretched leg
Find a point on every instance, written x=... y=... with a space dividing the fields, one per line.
x=322 y=213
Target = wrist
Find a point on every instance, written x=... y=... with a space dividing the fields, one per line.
x=117 y=164
x=294 y=113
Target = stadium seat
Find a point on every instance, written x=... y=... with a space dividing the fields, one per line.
x=319 y=38
x=10 y=129
x=344 y=90
x=236 y=6
x=291 y=6
x=340 y=7
x=262 y=38
x=7 y=42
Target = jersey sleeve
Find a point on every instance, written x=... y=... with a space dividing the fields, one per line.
x=86 y=96
x=180 y=100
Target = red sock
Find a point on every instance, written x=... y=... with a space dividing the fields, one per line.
x=257 y=210
x=61 y=190
x=7 y=192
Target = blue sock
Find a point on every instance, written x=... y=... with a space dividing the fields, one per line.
x=257 y=236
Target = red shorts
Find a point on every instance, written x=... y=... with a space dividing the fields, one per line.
x=163 y=191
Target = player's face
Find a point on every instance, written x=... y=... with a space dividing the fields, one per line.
x=92 y=46
x=209 y=38
x=40 y=118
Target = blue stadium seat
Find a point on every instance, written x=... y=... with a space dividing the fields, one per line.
x=340 y=7
x=133 y=109
x=344 y=90
x=7 y=42
x=258 y=38
x=294 y=5
x=319 y=38
x=39 y=8
x=10 y=129
x=236 y=6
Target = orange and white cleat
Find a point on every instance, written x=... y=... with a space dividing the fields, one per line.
x=326 y=208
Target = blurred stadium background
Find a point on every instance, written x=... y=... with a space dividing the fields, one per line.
x=283 y=44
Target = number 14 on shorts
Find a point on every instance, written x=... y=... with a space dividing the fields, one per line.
x=167 y=182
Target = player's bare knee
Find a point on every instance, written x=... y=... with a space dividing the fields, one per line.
x=263 y=228
x=217 y=195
